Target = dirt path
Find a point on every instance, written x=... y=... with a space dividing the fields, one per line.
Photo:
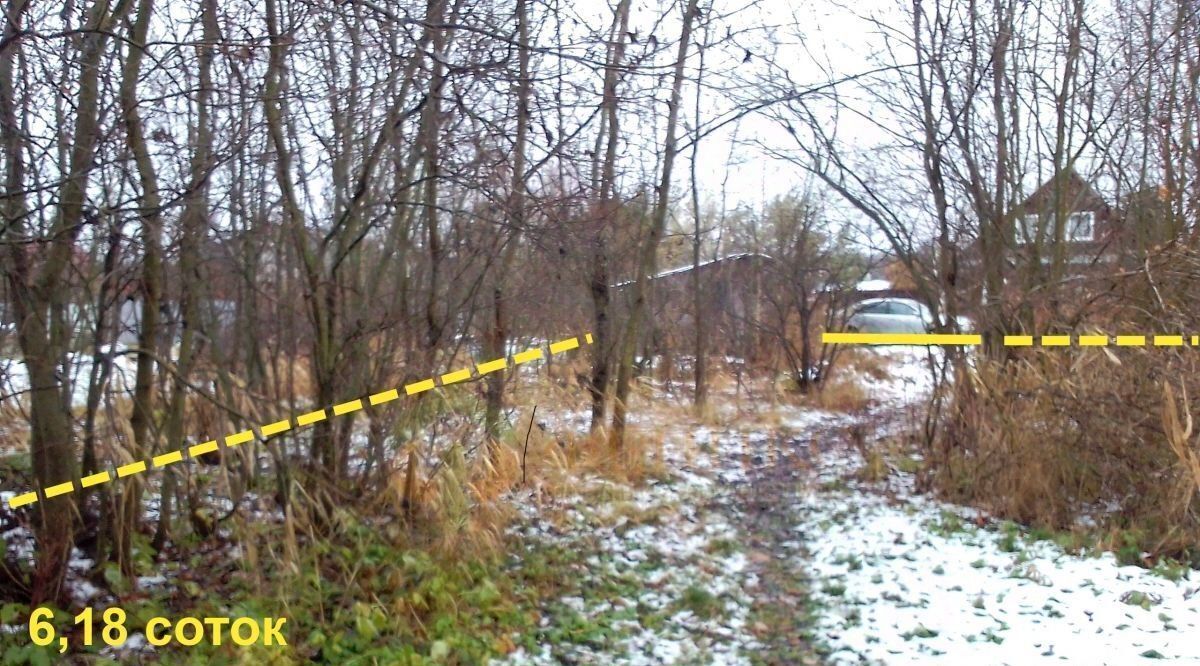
x=767 y=503
x=780 y=612
x=779 y=473
x=704 y=566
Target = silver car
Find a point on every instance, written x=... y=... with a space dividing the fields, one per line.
x=890 y=315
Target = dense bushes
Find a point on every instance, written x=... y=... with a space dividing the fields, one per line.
x=1071 y=438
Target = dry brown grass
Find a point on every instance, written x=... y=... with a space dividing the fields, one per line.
x=842 y=393
x=459 y=504
x=638 y=460
x=467 y=505
x=1187 y=450
x=1064 y=433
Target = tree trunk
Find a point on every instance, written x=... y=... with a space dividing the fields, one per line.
x=429 y=135
x=140 y=420
x=39 y=299
x=498 y=338
x=194 y=222
x=699 y=320
x=649 y=255
x=604 y=216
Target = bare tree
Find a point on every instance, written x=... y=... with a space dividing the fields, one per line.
x=648 y=257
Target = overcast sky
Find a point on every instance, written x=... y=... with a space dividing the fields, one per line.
x=812 y=42
x=825 y=40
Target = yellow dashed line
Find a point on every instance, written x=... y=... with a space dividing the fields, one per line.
x=276 y=427
x=239 y=438
x=131 y=469
x=201 y=449
x=456 y=376
x=527 y=356
x=302 y=420
x=926 y=339
x=564 y=345
x=310 y=418
x=22 y=499
x=347 y=407
x=492 y=366
x=94 y=479
x=168 y=458
x=59 y=489
x=384 y=396
x=416 y=387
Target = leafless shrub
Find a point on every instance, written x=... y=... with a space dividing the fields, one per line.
x=1056 y=434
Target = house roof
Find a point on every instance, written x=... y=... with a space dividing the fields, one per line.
x=736 y=256
x=1081 y=194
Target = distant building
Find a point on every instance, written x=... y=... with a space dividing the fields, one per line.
x=732 y=288
x=1096 y=231
x=1099 y=234
x=1090 y=230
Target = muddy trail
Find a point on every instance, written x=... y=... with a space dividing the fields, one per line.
x=779 y=471
x=707 y=561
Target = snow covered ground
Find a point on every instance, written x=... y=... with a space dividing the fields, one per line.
x=662 y=579
x=668 y=560
x=662 y=591
x=900 y=578
x=914 y=581
x=894 y=577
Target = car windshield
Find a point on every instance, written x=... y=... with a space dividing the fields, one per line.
x=890 y=308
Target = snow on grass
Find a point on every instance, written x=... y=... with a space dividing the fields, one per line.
x=899 y=578
x=660 y=583
x=910 y=374
x=661 y=577
x=680 y=602
x=906 y=579
x=898 y=587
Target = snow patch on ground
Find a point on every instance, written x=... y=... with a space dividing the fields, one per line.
x=894 y=591
x=903 y=579
x=665 y=559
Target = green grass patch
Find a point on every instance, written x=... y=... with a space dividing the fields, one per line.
x=722 y=547
x=920 y=631
x=701 y=602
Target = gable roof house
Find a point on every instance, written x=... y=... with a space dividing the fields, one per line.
x=1096 y=234
x=1090 y=231
x=1101 y=235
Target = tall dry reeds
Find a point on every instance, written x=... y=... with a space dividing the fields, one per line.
x=1185 y=447
x=1059 y=437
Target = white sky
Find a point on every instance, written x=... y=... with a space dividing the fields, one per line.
x=827 y=41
